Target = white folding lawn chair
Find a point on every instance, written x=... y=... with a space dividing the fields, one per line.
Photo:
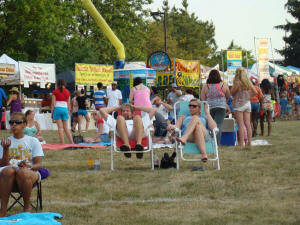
x=191 y=148
x=116 y=142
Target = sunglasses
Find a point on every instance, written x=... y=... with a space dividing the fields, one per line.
x=17 y=122
x=193 y=106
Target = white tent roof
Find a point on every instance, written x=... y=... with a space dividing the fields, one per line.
x=12 y=79
x=6 y=59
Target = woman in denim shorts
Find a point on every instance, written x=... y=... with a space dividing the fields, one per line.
x=60 y=108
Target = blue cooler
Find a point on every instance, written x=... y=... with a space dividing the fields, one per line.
x=229 y=129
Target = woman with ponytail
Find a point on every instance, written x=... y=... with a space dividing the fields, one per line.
x=60 y=109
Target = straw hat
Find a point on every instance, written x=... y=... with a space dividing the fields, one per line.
x=14 y=89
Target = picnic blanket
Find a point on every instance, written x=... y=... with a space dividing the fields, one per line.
x=44 y=218
x=56 y=147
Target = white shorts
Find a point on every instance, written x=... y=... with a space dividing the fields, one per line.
x=244 y=108
x=39 y=175
x=112 y=122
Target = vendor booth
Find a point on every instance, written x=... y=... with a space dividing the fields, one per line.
x=41 y=75
x=125 y=77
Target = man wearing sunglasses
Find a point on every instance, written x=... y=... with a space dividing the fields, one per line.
x=194 y=127
x=20 y=160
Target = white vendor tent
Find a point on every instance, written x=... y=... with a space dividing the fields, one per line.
x=11 y=79
x=276 y=70
x=42 y=73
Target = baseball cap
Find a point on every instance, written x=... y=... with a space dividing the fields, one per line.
x=174 y=85
x=114 y=82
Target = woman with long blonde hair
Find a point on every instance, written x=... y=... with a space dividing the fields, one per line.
x=241 y=91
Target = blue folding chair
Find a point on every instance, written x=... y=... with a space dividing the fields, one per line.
x=191 y=148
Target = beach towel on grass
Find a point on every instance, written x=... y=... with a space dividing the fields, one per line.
x=44 y=218
x=57 y=147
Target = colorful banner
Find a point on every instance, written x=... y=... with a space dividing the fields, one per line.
x=263 y=58
x=164 y=78
x=187 y=74
x=37 y=72
x=234 y=61
x=7 y=69
x=88 y=74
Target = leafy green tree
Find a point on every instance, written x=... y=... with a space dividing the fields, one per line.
x=187 y=36
x=62 y=32
x=291 y=51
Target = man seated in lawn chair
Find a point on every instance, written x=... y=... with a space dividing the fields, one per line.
x=129 y=126
x=20 y=160
x=194 y=127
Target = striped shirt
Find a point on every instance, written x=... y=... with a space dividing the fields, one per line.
x=99 y=98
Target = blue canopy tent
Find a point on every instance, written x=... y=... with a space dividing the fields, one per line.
x=296 y=69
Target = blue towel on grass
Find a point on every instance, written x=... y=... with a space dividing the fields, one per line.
x=95 y=143
x=44 y=218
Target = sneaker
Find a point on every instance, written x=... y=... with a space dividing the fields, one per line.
x=125 y=148
x=139 y=147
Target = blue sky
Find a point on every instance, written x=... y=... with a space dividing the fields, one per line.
x=239 y=20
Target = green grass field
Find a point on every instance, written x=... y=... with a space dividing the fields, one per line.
x=257 y=186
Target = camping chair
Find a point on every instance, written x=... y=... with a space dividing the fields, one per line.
x=191 y=148
x=116 y=143
x=38 y=205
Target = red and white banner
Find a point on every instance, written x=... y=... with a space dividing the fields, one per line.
x=37 y=72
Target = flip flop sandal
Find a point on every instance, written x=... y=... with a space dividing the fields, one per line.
x=196 y=168
x=139 y=147
x=125 y=148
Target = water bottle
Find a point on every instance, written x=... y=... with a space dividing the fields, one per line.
x=90 y=163
x=97 y=164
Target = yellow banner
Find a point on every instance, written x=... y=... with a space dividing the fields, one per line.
x=182 y=79
x=87 y=74
x=189 y=66
x=234 y=55
x=187 y=79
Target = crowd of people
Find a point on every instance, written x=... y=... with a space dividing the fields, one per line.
x=249 y=103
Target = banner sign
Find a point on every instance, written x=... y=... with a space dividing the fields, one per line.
x=164 y=78
x=187 y=73
x=263 y=58
x=234 y=61
x=88 y=74
x=7 y=69
x=37 y=72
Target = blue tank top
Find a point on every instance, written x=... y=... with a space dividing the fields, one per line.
x=186 y=121
x=30 y=131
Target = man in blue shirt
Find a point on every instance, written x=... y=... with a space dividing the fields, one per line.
x=100 y=97
x=2 y=96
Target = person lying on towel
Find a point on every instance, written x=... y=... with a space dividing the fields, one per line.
x=102 y=130
x=194 y=128
x=20 y=160
x=128 y=125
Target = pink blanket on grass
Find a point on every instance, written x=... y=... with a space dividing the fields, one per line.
x=56 y=147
